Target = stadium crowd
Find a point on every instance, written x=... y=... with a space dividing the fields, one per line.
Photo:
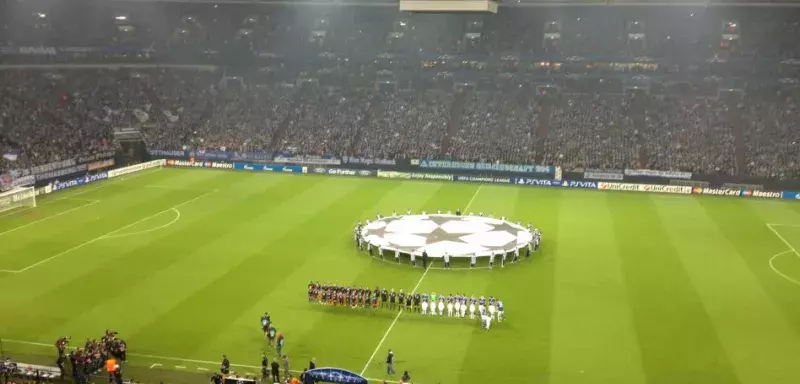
x=49 y=115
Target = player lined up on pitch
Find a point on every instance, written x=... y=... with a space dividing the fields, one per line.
x=457 y=306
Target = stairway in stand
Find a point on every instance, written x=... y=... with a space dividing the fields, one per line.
x=375 y=108
x=735 y=120
x=297 y=102
x=540 y=128
x=456 y=109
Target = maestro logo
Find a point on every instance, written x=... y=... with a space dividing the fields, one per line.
x=697 y=190
x=747 y=193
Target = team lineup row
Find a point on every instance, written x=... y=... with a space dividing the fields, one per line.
x=458 y=305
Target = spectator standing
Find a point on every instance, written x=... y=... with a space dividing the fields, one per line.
x=312 y=364
x=285 y=362
x=276 y=371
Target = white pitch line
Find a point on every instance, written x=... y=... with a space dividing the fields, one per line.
x=788 y=244
x=783 y=225
x=155 y=365
x=774 y=269
x=472 y=199
x=83 y=190
x=160 y=227
x=48 y=218
x=168 y=358
x=380 y=343
x=111 y=233
x=180 y=367
x=202 y=369
x=791 y=249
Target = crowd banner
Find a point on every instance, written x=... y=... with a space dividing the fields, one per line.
x=716 y=191
x=656 y=188
x=42 y=176
x=489 y=167
x=661 y=174
x=367 y=161
x=596 y=174
x=8 y=181
x=95 y=157
x=790 y=195
x=306 y=160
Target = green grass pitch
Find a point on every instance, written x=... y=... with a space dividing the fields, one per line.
x=627 y=289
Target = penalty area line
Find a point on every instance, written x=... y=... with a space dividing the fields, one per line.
x=108 y=235
x=790 y=250
x=93 y=202
x=389 y=330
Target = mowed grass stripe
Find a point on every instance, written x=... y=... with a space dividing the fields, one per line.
x=179 y=250
x=328 y=256
x=743 y=227
x=121 y=263
x=526 y=289
x=349 y=337
x=266 y=257
x=411 y=330
x=125 y=203
x=236 y=232
x=759 y=341
x=594 y=339
x=677 y=339
x=359 y=343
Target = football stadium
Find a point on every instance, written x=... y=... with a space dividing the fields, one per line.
x=429 y=192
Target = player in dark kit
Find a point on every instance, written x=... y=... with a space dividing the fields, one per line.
x=417 y=300
x=392 y=298
x=409 y=300
x=402 y=297
x=384 y=298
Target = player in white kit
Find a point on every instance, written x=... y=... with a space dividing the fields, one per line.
x=491 y=310
x=457 y=306
x=450 y=307
x=464 y=308
x=424 y=307
x=500 y=311
x=487 y=322
x=441 y=306
x=472 y=309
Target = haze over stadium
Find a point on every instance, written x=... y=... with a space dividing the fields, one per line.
x=580 y=191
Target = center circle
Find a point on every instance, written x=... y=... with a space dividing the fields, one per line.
x=437 y=234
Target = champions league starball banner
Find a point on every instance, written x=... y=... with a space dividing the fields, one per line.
x=335 y=375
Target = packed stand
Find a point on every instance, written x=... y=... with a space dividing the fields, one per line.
x=325 y=122
x=772 y=140
x=590 y=132
x=689 y=135
x=495 y=127
x=407 y=124
x=53 y=115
